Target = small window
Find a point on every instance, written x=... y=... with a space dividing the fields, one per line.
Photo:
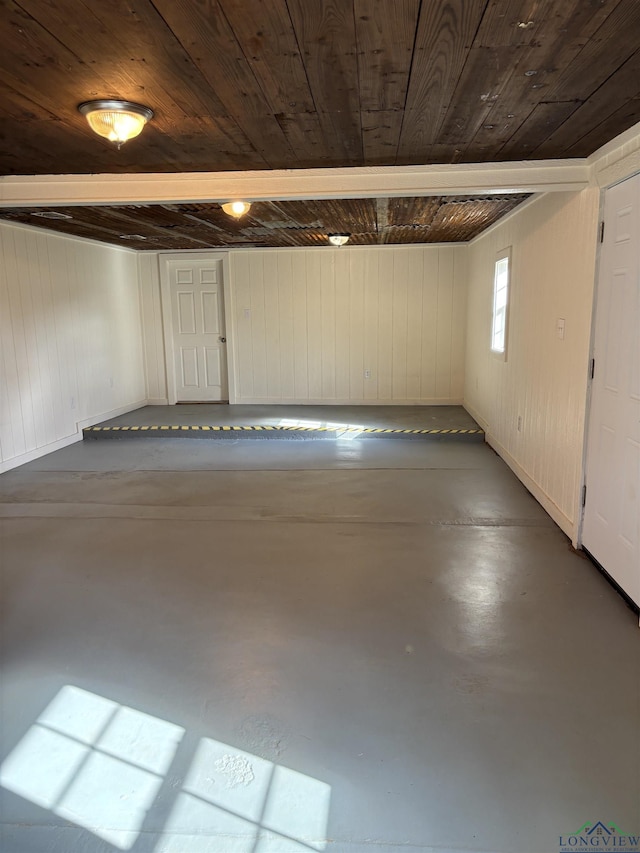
x=502 y=271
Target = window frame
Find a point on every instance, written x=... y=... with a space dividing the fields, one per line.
x=503 y=254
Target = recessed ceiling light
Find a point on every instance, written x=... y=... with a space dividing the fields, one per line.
x=338 y=239
x=530 y=73
x=51 y=214
x=236 y=208
x=132 y=237
x=117 y=121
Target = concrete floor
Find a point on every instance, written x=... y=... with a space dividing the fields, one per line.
x=253 y=647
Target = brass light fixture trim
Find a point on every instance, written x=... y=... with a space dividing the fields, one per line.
x=117 y=121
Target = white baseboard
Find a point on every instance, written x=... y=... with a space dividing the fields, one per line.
x=564 y=522
x=16 y=461
x=547 y=503
x=331 y=401
x=156 y=401
x=476 y=416
x=38 y=452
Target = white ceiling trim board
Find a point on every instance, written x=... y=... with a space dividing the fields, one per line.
x=284 y=184
x=617 y=160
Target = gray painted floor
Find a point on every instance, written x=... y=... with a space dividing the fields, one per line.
x=271 y=648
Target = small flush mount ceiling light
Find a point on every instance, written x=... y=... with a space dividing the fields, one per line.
x=117 y=121
x=236 y=208
x=338 y=239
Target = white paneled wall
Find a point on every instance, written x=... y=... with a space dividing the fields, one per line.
x=153 y=338
x=544 y=379
x=70 y=339
x=352 y=325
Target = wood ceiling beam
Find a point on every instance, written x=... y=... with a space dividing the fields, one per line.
x=282 y=184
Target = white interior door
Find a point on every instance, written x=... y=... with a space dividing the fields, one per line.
x=197 y=330
x=612 y=510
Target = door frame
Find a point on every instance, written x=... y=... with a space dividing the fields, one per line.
x=592 y=340
x=164 y=260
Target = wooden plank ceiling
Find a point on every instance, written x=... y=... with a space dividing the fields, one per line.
x=267 y=84
x=435 y=219
x=270 y=84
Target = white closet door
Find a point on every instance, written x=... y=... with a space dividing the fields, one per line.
x=198 y=334
x=612 y=510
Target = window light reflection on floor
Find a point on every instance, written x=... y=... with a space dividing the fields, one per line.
x=93 y=762
x=263 y=807
x=100 y=765
x=343 y=432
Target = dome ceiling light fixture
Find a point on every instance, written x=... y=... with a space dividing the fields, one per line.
x=338 y=239
x=236 y=208
x=117 y=121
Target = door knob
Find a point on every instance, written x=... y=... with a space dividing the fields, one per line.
x=223 y=340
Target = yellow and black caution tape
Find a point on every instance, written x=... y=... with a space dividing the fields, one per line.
x=265 y=427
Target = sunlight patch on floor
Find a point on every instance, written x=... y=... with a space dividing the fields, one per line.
x=100 y=765
x=93 y=762
x=346 y=432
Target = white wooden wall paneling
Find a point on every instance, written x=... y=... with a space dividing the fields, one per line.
x=306 y=325
x=153 y=339
x=301 y=364
x=372 y=336
x=544 y=378
x=71 y=341
x=285 y=301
